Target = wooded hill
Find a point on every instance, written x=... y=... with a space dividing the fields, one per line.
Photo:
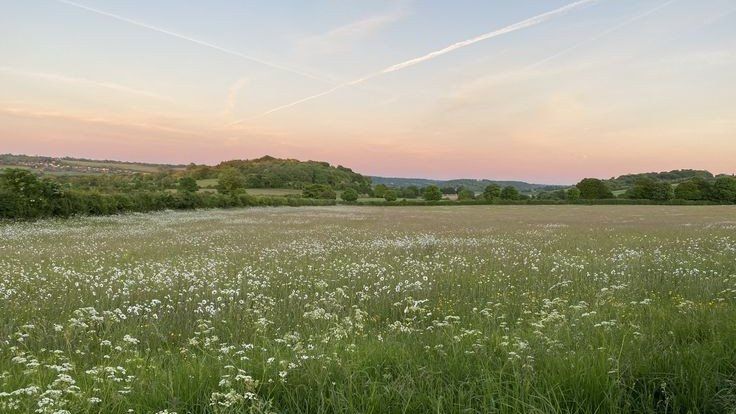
x=627 y=181
x=270 y=172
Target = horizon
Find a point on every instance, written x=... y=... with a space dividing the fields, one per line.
x=542 y=92
x=373 y=175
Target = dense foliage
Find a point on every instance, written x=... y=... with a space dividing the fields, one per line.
x=270 y=172
x=24 y=195
x=593 y=188
x=672 y=177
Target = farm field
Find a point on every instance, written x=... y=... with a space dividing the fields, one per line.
x=464 y=309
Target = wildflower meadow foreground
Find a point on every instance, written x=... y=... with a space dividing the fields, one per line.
x=478 y=309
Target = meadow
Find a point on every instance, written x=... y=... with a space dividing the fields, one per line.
x=461 y=309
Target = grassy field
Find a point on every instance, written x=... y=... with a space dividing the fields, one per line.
x=476 y=309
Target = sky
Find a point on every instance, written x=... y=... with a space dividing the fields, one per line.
x=548 y=91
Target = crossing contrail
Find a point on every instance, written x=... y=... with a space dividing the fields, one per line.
x=600 y=35
x=530 y=22
x=192 y=40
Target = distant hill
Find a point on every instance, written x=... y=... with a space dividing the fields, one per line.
x=471 y=184
x=75 y=166
x=673 y=177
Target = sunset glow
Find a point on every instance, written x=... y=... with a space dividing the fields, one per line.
x=545 y=91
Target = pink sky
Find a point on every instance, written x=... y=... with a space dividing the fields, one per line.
x=536 y=91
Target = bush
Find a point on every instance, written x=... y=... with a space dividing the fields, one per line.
x=389 y=195
x=349 y=195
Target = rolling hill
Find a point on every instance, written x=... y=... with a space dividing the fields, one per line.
x=471 y=184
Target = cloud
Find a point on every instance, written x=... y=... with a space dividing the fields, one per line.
x=108 y=121
x=343 y=37
x=53 y=77
x=232 y=94
x=530 y=22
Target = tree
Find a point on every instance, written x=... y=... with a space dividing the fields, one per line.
x=25 y=195
x=349 y=195
x=390 y=195
x=695 y=189
x=724 y=189
x=319 y=191
x=187 y=185
x=410 y=192
x=230 y=181
x=492 y=192
x=379 y=189
x=432 y=193
x=573 y=194
x=509 y=193
x=447 y=190
x=649 y=189
x=465 y=194
x=593 y=188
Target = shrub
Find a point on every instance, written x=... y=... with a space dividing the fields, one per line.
x=349 y=195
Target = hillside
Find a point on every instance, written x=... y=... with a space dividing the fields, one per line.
x=471 y=184
x=73 y=166
x=270 y=172
x=624 y=182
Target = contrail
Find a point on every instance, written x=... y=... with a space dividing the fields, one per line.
x=191 y=39
x=600 y=35
x=532 y=21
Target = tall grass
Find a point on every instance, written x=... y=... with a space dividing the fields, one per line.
x=544 y=309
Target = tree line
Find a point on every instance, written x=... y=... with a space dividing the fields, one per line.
x=24 y=194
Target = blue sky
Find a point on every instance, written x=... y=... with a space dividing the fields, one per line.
x=602 y=88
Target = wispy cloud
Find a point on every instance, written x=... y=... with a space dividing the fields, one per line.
x=232 y=94
x=530 y=22
x=343 y=37
x=192 y=40
x=53 y=77
x=87 y=118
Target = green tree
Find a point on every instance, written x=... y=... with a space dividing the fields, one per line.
x=465 y=194
x=695 y=189
x=390 y=195
x=573 y=194
x=27 y=196
x=379 y=190
x=491 y=192
x=650 y=189
x=230 y=181
x=593 y=188
x=187 y=184
x=510 y=193
x=410 y=192
x=432 y=193
x=724 y=189
x=349 y=195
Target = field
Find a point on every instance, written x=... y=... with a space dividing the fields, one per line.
x=474 y=309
